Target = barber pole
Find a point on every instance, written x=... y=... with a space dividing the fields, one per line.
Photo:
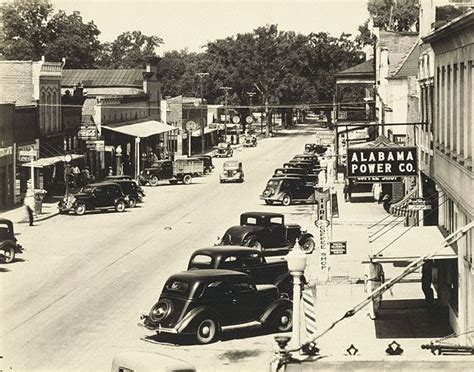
x=309 y=306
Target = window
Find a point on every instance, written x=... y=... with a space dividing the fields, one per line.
x=201 y=261
x=242 y=287
x=250 y=221
x=276 y=220
x=252 y=259
x=177 y=286
x=232 y=262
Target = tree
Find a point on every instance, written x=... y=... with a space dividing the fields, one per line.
x=394 y=15
x=129 y=50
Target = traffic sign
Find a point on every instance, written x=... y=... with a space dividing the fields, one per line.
x=236 y=119
x=249 y=119
x=190 y=126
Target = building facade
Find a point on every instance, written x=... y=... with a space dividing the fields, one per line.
x=453 y=48
x=7 y=156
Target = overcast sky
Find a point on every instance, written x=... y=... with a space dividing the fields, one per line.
x=190 y=24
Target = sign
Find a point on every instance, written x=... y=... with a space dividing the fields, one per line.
x=96 y=145
x=338 y=248
x=323 y=246
x=418 y=204
x=236 y=119
x=388 y=162
x=87 y=132
x=321 y=197
x=191 y=125
x=377 y=179
x=249 y=119
x=5 y=151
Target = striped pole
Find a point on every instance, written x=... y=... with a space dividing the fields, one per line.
x=309 y=306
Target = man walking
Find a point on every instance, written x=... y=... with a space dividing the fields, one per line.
x=30 y=204
x=374 y=278
x=426 y=279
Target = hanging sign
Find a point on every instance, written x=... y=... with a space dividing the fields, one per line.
x=338 y=248
x=381 y=162
x=236 y=119
x=323 y=247
x=87 y=132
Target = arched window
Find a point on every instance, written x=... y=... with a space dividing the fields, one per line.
x=48 y=120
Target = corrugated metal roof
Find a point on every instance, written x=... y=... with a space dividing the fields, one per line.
x=364 y=68
x=103 y=78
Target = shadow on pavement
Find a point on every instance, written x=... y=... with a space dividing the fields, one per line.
x=411 y=319
x=4 y=270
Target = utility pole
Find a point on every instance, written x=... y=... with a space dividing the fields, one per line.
x=202 y=75
x=226 y=90
x=250 y=94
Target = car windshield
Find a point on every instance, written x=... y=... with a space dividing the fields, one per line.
x=231 y=165
x=222 y=145
x=273 y=183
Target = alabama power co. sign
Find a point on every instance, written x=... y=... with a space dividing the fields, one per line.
x=383 y=162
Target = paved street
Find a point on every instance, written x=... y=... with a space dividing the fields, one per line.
x=73 y=299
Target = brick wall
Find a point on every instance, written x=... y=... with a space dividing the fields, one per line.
x=16 y=81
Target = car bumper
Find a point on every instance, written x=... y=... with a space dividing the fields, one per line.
x=230 y=179
x=272 y=197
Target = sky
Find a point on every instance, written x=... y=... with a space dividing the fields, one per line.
x=192 y=23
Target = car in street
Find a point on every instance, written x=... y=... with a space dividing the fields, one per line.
x=224 y=150
x=95 y=196
x=207 y=162
x=132 y=191
x=267 y=232
x=126 y=177
x=250 y=141
x=247 y=260
x=232 y=172
x=313 y=148
x=287 y=191
x=9 y=246
x=313 y=167
x=310 y=178
x=205 y=303
x=180 y=170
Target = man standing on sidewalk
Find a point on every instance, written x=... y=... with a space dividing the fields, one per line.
x=374 y=278
x=30 y=204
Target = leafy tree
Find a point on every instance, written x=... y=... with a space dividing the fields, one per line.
x=129 y=50
x=394 y=15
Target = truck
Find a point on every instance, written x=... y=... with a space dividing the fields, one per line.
x=181 y=170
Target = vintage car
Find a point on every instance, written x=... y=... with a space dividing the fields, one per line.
x=313 y=157
x=267 y=232
x=247 y=260
x=232 y=172
x=313 y=148
x=310 y=164
x=207 y=161
x=310 y=178
x=250 y=141
x=288 y=190
x=8 y=242
x=141 y=361
x=131 y=189
x=204 y=303
x=180 y=170
x=141 y=192
x=101 y=195
x=224 y=150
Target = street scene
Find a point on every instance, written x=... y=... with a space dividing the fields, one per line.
x=254 y=198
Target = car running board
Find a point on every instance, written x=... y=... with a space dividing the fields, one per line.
x=252 y=324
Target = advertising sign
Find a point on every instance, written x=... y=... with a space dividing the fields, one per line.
x=96 y=145
x=377 y=179
x=87 y=132
x=323 y=247
x=338 y=248
x=418 y=204
x=381 y=162
x=236 y=119
x=4 y=151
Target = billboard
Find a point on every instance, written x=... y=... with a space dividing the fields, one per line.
x=381 y=162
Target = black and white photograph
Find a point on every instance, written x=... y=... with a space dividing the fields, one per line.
x=236 y=185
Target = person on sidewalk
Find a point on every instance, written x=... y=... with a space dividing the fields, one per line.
x=387 y=202
x=30 y=205
x=426 y=279
x=374 y=277
x=377 y=191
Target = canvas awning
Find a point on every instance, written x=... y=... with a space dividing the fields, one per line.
x=143 y=129
x=409 y=243
x=46 y=162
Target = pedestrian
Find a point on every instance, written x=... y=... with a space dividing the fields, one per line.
x=350 y=186
x=346 y=189
x=110 y=171
x=387 y=202
x=377 y=191
x=30 y=204
x=426 y=280
x=374 y=277
x=232 y=139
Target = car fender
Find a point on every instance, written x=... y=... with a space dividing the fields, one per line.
x=284 y=280
x=280 y=304
x=10 y=243
x=189 y=323
x=304 y=236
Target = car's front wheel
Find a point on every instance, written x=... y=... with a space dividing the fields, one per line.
x=120 y=206
x=187 y=179
x=286 y=201
x=153 y=181
x=207 y=331
x=282 y=321
x=7 y=253
x=254 y=243
x=132 y=202
x=308 y=245
x=80 y=209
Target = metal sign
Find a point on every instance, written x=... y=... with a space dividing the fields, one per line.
x=377 y=179
x=5 y=151
x=87 y=132
x=381 y=162
x=96 y=145
x=418 y=204
x=338 y=248
x=321 y=198
x=190 y=126
x=236 y=119
x=249 y=119
x=323 y=247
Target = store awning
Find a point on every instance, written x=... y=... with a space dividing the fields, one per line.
x=400 y=208
x=197 y=133
x=143 y=129
x=46 y=162
x=409 y=243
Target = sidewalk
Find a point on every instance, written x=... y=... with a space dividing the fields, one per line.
x=19 y=214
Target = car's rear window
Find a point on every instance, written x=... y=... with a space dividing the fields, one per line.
x=250 y=221
x=201 y=261
x=178 y=287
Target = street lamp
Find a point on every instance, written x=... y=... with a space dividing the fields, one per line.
x=296 y=264
x=118 y=163
x=67 y=169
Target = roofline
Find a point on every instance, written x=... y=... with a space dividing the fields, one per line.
x=454 y=25
x=404 y=60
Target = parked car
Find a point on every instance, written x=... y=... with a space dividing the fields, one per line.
x=207 y=161
x=310 y=164
x=131 y=190
x=250 y=141
x=224 y=150
x=181 y=170
x=296 y=164
x=288 y=190
x=126 y=177
x=232 y=172
x=310 y=178
x=141 y=361
x=247 y=260
x=313 y=148
x=9 y=246
x=267 y=232
x=313 y=157
x=205 y=303
x=101 y=195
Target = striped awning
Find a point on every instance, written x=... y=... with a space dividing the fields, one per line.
x=400 y=208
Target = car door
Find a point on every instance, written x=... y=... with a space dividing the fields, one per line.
x=100 y=197
x=277 y=232
x=244 y=300
x=219 y=297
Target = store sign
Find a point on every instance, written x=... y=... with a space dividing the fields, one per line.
x=28 y=152
x=418 y=204
x=377 y=179
x=381 y=162
x=96 y=145
x=5 y=151
x=87 y=132
x=338 y=248
x=323 y=247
